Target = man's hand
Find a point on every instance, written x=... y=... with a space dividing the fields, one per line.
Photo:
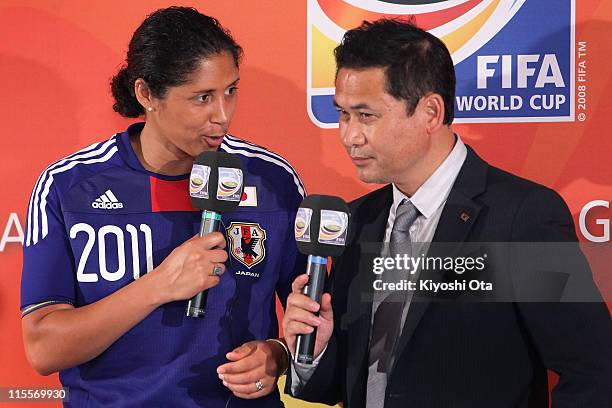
x=256 y=362
x=300 y=317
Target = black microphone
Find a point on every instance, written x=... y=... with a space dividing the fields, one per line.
x=215 y=186
x=321 y=230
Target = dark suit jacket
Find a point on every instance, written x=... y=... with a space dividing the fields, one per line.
x=466 y=354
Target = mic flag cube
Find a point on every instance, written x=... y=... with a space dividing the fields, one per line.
x=216 y=182
x=321 y=225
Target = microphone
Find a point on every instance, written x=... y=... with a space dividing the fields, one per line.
x=321 y=229
x=215 y=187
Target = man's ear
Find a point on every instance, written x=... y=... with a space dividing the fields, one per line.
x=143 y=95
x=433 y=104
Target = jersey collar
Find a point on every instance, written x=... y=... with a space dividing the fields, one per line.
x=129 y=156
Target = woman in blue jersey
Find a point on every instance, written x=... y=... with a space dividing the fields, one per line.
x=110 y=253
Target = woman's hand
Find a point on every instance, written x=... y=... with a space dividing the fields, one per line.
x=191 y=268
x=254 y=368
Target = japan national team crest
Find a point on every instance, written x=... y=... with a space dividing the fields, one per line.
x=247 y=243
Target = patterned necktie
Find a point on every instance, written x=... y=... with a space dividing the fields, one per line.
x=405 y=216
x=388 y=310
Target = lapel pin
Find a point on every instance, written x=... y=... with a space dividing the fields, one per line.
x=464 y=216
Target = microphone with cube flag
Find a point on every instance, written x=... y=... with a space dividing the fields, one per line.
x=321 y=230
x=215 y=186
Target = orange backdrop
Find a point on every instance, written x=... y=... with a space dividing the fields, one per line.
x=57 y=56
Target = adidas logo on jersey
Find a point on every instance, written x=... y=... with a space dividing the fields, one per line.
x=107 y=201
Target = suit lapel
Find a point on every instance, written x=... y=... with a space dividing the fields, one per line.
x=456 y=221
x=458 y=217
x=369 y=225
x=461 y=210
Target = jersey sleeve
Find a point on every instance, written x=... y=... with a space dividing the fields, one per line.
x=294 y=263
x=48 y=274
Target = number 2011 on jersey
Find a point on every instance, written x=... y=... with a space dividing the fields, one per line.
x=100 y=238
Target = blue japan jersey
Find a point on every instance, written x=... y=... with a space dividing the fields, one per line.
x=97 y=220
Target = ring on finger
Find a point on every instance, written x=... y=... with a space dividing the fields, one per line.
x=217 y=270
x=259 y=385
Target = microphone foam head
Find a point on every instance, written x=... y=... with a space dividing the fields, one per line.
x=321 y=225
x=216 y=182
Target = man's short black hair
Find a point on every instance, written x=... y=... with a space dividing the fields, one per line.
x=415 y=61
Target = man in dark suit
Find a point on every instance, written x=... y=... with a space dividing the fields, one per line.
x=394 y=91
